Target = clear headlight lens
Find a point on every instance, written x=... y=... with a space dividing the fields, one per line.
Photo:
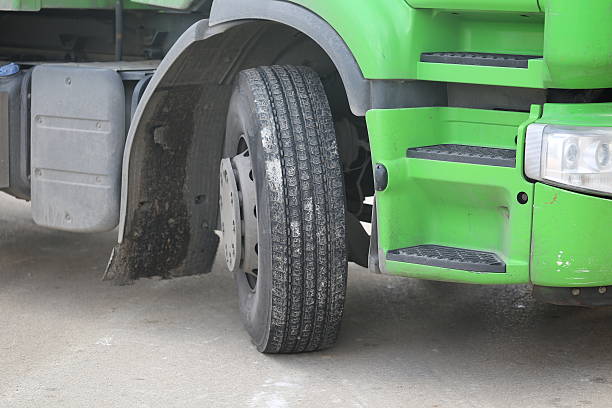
x=577 y=157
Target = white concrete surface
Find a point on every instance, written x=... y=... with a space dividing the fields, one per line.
x=69 y=340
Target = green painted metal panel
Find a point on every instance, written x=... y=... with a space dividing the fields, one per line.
x=578 y=46
x=495 y=5
x=382 y=50
x=572 y=232
x=392 y=49
x=452 y=204
x=528 y=78
x=572 y=239
x=577 y=114
x=20 y=5
x=573 y=38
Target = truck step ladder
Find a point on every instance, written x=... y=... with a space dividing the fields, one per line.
x=489 y=156
x=449 y=257
x=479 y=58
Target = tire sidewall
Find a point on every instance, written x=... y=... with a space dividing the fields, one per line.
x=255 y=305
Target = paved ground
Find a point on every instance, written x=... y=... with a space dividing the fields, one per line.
x=69 y=340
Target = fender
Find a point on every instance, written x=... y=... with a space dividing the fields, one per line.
x=379 y=34
x=356 y=86
x=161 y=230
x=371 y=60
x=170 y=165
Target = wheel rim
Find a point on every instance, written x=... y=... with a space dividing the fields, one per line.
x=238 y=204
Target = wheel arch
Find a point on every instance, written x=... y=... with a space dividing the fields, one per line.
x=357 y=88
x=169 y=178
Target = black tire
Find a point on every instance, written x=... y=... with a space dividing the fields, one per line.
x=297 y=300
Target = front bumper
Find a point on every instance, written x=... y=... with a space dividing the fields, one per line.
x=571 y=241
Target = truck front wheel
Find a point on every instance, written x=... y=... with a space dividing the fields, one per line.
x=283 y=209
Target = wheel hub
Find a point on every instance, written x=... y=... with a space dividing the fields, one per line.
x=238 y=203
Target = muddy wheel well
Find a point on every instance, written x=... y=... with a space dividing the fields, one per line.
x=172 y=194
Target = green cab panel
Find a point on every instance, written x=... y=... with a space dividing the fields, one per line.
x=20 y=5
x=392 y=50
x=571 y=240
x=577 y=114
x=578 y=46
x=387 y=37
x=495 y=5
x=572 y=232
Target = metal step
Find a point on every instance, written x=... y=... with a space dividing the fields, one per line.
x=449 y=257
x=488 y=156
x=479 y=58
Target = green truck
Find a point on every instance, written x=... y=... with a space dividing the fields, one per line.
x=461 y=141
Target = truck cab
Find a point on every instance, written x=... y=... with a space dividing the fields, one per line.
x=462 y=141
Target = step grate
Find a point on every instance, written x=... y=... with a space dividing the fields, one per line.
x=489 y=156
x=449 y=257
x=479 y=58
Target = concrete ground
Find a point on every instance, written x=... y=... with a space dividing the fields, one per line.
x=69 y=340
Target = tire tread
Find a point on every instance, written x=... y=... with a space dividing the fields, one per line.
x=307 y=217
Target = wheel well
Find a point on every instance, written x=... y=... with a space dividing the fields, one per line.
x=170 y=180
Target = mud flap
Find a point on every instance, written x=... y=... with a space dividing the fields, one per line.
x=175 y=144
x=170 y=228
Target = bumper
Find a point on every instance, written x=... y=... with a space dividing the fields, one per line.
x=571 y=244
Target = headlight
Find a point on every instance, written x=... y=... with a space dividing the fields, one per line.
x=579 y=158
